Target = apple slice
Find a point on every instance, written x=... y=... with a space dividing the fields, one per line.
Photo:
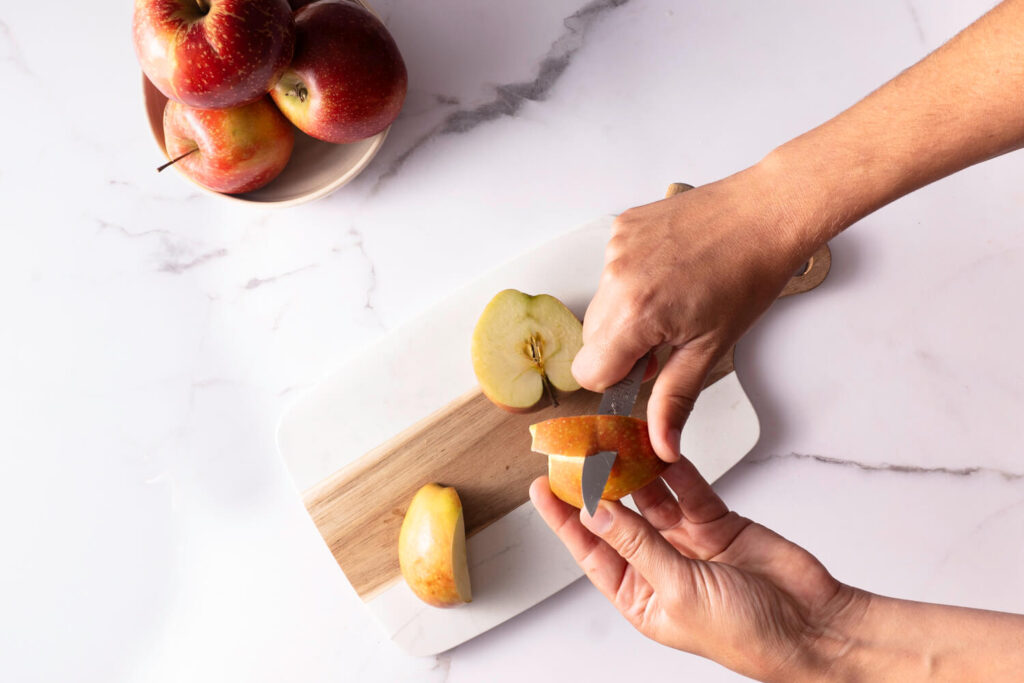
x=432 y=547
x=568 y=440
x=523 y=347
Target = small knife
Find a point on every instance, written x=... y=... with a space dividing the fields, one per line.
x=619 y=399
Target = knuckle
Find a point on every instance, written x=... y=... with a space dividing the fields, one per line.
x=615 y=248
x=616 y=269
x=629 y=542
x=623 y=221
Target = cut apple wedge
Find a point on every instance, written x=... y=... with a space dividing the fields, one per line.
x=523 y=347
x=567 y=441
x=432 y=547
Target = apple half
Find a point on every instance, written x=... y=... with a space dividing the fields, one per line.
x=523 y=347
x=567 y=441
x=432 y=547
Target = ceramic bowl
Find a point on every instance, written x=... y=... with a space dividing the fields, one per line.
x=315 y=170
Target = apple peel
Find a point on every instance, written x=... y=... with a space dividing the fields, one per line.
x=567 y=441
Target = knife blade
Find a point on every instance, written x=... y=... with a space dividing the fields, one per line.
x=619 y=399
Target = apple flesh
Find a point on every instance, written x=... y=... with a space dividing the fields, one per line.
x=347 y=80
x=213 y=54
x=228 y=150
x=432 y=547
x=523 y=347
x=568 y=441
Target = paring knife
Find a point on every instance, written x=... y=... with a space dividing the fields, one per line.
x=619 y=399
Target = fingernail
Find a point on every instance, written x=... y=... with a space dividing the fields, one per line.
x=600 y=522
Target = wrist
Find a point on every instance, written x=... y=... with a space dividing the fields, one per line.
x=830 y=648
x=815 y=196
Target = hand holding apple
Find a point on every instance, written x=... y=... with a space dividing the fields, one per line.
x=228 y=150
x=213 y=54
x=347 y=80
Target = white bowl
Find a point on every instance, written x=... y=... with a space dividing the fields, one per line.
x=315 y=170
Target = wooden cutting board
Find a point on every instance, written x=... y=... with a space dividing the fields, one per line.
x=480 y=449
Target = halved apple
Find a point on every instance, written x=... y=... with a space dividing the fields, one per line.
x=432 y=547
x=567 y=441
x=523 y=347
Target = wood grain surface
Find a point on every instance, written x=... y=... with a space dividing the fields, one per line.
x=480 y=449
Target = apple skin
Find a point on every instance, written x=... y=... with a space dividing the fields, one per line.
x=432 y=547
x=347 y=81
x=225 y=57
x=240 y=149
x=567 y=441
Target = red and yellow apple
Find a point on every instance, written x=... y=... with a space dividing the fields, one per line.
x=213 y=54
x=432 y=547
x=347 y=80
x=228 y=150
x=523 y=347
x=568 y=441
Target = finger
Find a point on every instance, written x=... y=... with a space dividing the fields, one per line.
x=658 y=506
x=697 y=500
x=673 y=396
x=639 y=544
x=603 y=566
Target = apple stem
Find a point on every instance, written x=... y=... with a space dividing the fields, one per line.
x=176 y=159
x=550 y=391
x=299 y=91
x=204 y=6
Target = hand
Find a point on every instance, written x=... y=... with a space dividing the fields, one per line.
x=692 y=272
x=697 y=577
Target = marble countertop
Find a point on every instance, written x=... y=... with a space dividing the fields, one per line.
x=153 y=335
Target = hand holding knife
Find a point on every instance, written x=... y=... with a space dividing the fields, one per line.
x=618 y=399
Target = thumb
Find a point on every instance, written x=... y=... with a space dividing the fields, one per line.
x=637 y=542
x=674 y=393
x=607 y=357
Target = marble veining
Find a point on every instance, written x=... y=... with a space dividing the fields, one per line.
x=10 y=51
x=256 y=282
x=912 y=10
x=178 y=259
x=509 y=98
x=887 y=467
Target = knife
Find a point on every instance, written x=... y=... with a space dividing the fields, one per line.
x=619 y=399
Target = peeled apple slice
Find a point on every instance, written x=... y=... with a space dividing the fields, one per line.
x=432 y=547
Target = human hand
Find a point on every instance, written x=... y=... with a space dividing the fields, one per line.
x=691 y=272
x=693 y=575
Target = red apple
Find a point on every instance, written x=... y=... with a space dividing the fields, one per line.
x=347 y=80
x=213 y=54
x=228 y=150
x=568 y=441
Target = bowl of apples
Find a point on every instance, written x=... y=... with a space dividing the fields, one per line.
x=267 y=101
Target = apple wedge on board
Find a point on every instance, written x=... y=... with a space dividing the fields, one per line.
x=357 y=477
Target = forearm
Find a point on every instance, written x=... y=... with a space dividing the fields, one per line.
x=902 y=640
x=962 y=104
